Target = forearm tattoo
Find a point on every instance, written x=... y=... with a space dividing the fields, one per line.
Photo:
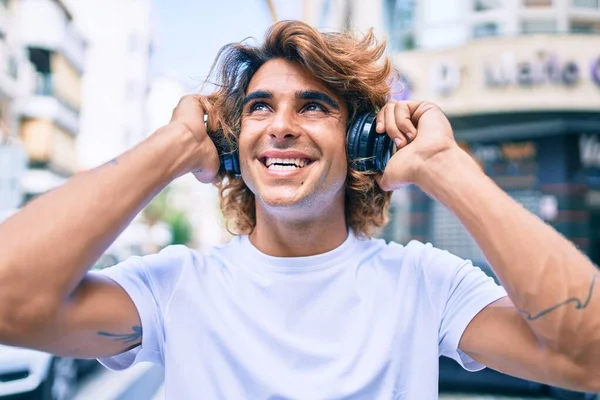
x=580 y=304
x=126 y=338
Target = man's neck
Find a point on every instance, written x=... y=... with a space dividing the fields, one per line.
x=299 y=238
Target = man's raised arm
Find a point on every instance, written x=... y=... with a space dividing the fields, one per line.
x=554 y=287
x=46 y=249
x=549 y=329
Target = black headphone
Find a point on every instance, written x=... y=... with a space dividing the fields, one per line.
x=367 y=149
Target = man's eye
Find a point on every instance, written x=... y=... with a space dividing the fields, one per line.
x=258 y=106
x=314 y=107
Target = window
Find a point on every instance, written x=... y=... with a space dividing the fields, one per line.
x=585 y=3
x=43 y=84
x=400 y=23
x=485 y=29
x=485 y=5
x=585 y=27
x=538 y=26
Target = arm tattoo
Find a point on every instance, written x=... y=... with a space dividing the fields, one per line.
x=579 y=303
x=112 y=162
x=126 y=338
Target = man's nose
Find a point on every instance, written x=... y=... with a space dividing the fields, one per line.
x=283 y=125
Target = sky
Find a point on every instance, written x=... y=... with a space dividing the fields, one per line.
x=189 y=33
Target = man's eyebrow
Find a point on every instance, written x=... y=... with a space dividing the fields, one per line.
x=258 y=94
x=316 y=95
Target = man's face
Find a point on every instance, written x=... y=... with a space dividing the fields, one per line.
x=292 y=140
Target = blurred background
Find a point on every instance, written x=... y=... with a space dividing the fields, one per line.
x=81 y=81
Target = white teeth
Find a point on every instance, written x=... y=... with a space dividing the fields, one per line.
x=284 y=164
x=276 y=167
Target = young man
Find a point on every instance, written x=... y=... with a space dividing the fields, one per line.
x=302 y=304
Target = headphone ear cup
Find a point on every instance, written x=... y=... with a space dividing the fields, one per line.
x=383 y=149
x=235 y=163
x=229 y=159
x=358 y=142
x=367 y=149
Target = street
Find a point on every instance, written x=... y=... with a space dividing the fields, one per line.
x=144 y=381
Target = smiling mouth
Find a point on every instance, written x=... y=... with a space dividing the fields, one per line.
x=285 y=164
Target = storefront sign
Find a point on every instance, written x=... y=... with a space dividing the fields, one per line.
x=541 y=69
x=595 y=71
x=589 y=151
x=445 y=77
x=538 y=70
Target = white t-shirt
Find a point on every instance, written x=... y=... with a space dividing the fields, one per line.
x=367 y=320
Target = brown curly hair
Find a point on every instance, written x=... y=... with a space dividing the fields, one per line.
x=348 y=66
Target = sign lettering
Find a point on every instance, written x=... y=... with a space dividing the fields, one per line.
x=589 y=151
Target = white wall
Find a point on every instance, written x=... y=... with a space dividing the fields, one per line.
x=41 y=23
x=115 y=84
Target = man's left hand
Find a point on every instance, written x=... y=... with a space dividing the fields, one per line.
x=421 y=132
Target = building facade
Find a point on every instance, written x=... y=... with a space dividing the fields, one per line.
x=117 y=78
x=528 y=110
x=15 y=82
x=520 y=82
x=48 y=118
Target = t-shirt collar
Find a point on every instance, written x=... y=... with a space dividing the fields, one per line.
x=291 y=264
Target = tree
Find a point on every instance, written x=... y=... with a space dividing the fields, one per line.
x=161 y=209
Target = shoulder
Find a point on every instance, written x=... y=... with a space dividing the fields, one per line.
x=414 y=253
x=173 y=256
x=416 y=260
x=158 y=270
x=429 y=258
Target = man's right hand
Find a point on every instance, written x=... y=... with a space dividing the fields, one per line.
x=189 y=115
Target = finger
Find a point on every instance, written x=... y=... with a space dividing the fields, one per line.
x=382 y=182
x=390 y=126
x=380 y=124
x=403 y=121
x=417 y=108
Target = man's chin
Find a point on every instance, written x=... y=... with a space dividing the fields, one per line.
x=280 y=197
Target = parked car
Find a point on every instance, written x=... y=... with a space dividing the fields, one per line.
x=40 y=375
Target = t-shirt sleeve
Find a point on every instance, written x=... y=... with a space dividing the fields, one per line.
x=463 y=290
x=149 y=281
